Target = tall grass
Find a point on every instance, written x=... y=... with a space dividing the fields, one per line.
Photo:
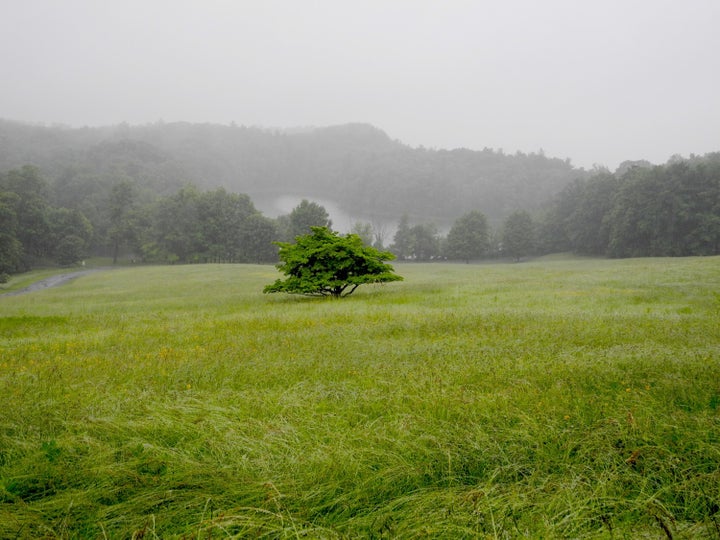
x=551 y=399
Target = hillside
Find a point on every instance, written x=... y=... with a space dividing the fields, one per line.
x=356 y=166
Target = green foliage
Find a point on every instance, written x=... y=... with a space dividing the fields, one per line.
x=122 y=210
x=518 y=236
x=669 y=210
x=189 y=226
x=194 y=226
x=672 y=210
x=305 y=216
x=324 y=263
x=256 y=238
x=364 y=230
x=223 y=223
x=65 y=222
x=70 y=250
x=469 y=237
x=425 y=241
x=175 y=234
x=419 y=242
x=589 y=224
x=30 y=207
x=403 y=241
x=11 y=252
x=32 y=229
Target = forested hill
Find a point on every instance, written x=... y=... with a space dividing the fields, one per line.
x=357 y=166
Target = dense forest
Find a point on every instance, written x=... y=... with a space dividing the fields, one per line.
x=641 y=210
x=358 y=167
x=192 y=193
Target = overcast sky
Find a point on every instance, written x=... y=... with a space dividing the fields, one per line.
x=598 y=82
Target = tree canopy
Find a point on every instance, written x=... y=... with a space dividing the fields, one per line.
x=469 y=237
x=518 y=235
x=31 y=229
x=306 y=215
x=640 y=211
x=325 y=263
x=419 y=242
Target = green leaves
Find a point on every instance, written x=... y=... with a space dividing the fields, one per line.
x=325 y=263
x=469 y=237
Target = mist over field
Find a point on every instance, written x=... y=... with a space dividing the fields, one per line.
x=595 y=82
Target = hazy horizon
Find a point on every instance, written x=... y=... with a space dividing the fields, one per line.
x=598 y=83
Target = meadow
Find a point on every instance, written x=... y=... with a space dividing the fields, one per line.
x=557 y=398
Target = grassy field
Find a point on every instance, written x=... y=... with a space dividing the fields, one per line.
x=550 y=399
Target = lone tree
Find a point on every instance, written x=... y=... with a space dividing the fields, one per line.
x=324 y=263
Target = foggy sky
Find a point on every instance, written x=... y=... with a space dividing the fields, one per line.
x=598 y=82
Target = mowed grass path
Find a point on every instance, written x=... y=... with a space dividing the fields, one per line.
x=558 y=398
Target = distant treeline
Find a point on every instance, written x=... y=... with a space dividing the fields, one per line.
x=656 y=211
x=115 y=220
x=639 y=211
x=643 y=210
x=95 y=194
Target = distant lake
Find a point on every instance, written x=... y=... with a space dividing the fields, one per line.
x=342 y=221
x=278 y=206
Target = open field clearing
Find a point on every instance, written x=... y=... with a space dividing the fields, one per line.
x=551 y=399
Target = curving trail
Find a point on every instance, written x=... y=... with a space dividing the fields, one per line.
x=52 y=281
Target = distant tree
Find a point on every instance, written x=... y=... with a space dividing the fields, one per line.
x=11 y=253
x=221 y=218
x=30 y=226
x=74 y=187
x=257 y=235
x=554 y=234
x=122 y=229
x=70 y=250
x=518 y=235
x=175 y=233
x=628 y=165
x=379 y=234
x=425 y=242
x=31 y=210
x=402 y=245
x=307 y=215
x=283 y=227
x=324 y=263
x=419 y=242
x=194 y=226
x=71 y=233
x=364 y=230
x=468 y=238
x=65 y=222
x=588 y=225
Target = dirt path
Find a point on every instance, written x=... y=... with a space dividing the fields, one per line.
x=52 y=281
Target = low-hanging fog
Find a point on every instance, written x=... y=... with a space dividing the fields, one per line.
x=284 y=204
x=596 y=82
